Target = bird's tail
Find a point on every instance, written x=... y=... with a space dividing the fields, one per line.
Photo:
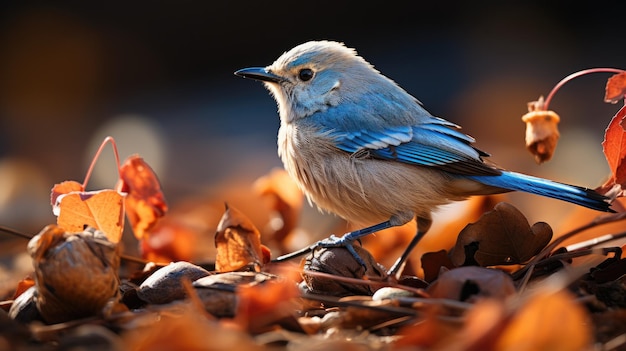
x=544 y=187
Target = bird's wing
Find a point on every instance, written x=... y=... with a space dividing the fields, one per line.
x=434 y=143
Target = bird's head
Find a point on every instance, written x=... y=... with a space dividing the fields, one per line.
x=312 y=77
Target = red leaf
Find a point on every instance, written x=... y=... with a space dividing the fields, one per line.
x=145 y=202
x=615 y=88
x=614 y=147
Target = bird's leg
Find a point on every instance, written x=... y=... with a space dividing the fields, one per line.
x=423 y=224
x=347 y=239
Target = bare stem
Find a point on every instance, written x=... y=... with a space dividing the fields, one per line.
x=97 y=155
x=575 y=75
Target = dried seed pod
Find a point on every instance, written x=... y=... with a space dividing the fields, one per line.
x=75 y=273
x=542 y=133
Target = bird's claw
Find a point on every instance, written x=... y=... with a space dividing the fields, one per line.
x=343 y=241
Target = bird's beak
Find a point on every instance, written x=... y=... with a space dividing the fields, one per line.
x=259 y=73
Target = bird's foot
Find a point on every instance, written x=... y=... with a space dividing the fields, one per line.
x=344 y=241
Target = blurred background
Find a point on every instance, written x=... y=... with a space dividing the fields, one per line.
x=158 y=77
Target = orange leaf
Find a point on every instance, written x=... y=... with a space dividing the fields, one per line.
x=614 y=147
x=145 y=202
x=65 y=187
x=615 y=88
x=548 y=321
x=261 y=305
x=22 y=286
x=103 y=210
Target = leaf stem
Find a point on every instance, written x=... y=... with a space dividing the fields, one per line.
x=575 y=75
x=97 y=155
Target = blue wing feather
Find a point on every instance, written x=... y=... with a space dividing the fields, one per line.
x=434 y=144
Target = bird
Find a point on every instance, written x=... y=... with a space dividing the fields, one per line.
x=360 y=146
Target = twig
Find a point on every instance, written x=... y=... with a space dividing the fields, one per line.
x=575 y=75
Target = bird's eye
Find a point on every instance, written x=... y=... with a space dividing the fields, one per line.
x=305 y=74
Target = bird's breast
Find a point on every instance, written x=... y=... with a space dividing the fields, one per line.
x=361 y=190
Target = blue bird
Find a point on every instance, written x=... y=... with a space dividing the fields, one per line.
x=360 y=146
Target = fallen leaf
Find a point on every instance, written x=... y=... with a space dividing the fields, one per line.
x=432 y=263
x=472 y=283
x=542 y=133
x=238 y=243
x=430 y=333
x=286 y=204
x=550 y=321
x=500 y=237
x=145 y=203
x=102 y=210
x=260 y=306
x=170 y=241
x=614 y=148
x=183 y=328
x=63 y=188
x=615 y=88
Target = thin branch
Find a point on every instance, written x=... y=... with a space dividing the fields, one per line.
x=575 y=75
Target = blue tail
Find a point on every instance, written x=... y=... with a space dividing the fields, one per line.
x=538 y=186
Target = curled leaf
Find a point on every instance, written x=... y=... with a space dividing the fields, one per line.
x=500 y=237
x=238 y=243
x=542 y=133
x=144 y=201
x=614 y=147
x=615 y=88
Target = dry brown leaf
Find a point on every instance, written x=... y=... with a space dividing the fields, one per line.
x=450 y=220
x=500 y=237
x=472 y=283
x=238 y=243
x=542 y=133
x=432 y=262
x=145 y=203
